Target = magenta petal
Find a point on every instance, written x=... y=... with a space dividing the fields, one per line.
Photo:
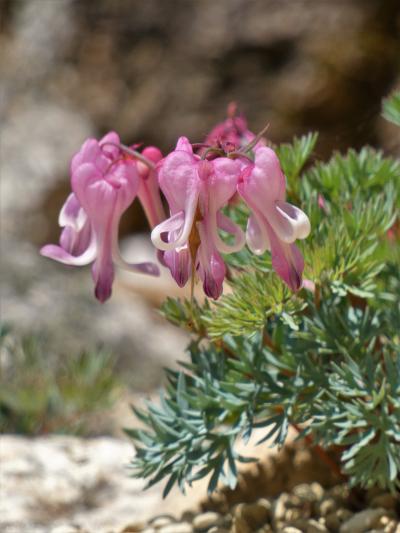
x=179 y=264
x=103 y=277
x=287 y=261
x=210 y=267
x=213 y=275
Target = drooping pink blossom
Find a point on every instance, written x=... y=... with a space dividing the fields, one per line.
x=274 y=224
x=196 y=191
x=232 y=133
x=104 y=184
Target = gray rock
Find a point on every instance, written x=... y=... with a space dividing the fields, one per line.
x=362 y=521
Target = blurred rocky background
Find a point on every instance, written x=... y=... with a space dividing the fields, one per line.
x=152 y=70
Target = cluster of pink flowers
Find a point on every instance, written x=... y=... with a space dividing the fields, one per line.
x=197 y=181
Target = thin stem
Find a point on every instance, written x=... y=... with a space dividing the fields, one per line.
x=212 y=150
x=252 y=143
x=133 y=153
x=197 y=146
x=236 y=155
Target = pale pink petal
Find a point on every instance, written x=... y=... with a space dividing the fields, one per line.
x=309 y=285
x=178 y=179
x=109 y=149
x=90 y=146
x=218 y=220
x=169 y=226
x=263 y=183
x=72 y=214
x=223 y=181
x=257 y=235
x=184 y=144
x=291 y=223
x=62 y=256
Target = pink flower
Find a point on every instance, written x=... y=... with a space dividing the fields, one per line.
x=196 y=190
x=232 y=132
x=104 y=184
x=149 y=194
x=274 y=224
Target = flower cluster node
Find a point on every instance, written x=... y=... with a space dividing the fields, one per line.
x=198 y=181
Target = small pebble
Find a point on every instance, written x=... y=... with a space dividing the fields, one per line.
x=362 y=521
x=279 y=506
x=333 y=521
x=294 y=514
x=206 y=520
x=256 y=514
x=327 y=506
x=310 y=493
x=149 y=530
x=290 y=529
x=316 y=527
x=183 y=527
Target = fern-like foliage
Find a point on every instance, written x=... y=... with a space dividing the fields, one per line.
x=391 y=108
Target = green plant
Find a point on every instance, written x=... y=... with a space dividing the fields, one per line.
x=325 y=359
x=42 y=392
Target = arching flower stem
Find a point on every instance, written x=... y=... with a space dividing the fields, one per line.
x=133 y=153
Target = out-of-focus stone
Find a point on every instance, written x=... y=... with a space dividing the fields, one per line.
x=206 y=520
x=362 y=521
x=313 y=526
x=256 y=514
